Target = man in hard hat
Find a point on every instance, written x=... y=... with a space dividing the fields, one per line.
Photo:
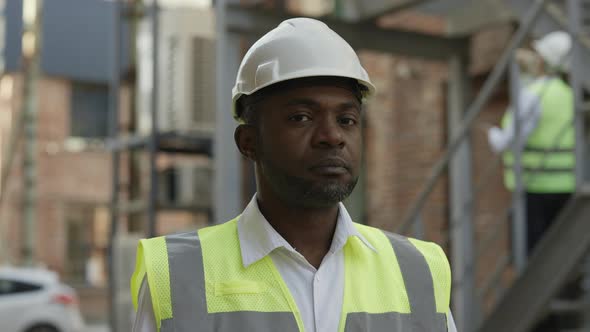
x=546 y=110
x=294 y=260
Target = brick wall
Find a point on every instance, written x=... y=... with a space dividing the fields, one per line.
x=62 y=176
x=405 y=136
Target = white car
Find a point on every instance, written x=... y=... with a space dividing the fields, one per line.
x=34 y=300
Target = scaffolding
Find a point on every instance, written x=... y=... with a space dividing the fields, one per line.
x=124 y=142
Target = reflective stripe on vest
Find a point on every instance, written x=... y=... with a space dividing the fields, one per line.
x=530 y=171
x=189 y=296
x=419 y=286
x=534 y=149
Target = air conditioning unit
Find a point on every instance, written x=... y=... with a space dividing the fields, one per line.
x=186 y=71
x=186 y=186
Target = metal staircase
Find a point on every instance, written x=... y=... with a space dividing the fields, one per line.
x=556 y=258
x=564 y=252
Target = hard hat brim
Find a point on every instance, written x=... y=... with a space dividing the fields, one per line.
x=369 y=92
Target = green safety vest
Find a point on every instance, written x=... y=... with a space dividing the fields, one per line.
x=548 y=158
x=198 y=283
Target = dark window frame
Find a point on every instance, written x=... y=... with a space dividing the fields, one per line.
x=88 y=113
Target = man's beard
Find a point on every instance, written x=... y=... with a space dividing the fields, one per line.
x=298 y=192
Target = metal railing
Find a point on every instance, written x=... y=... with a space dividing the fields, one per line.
x=517 y=258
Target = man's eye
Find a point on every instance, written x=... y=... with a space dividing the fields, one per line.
x=347 y=121
x=299 y=118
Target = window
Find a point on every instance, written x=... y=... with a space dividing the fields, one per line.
x=8 y=287
x=89 y=110
x=87 y=227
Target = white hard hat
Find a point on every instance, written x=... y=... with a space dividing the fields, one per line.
x=554 y=48
x=298 y=48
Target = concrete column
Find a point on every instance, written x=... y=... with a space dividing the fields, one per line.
x=227 y=173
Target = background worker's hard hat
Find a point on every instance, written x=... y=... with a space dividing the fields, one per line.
x=555 y=48
x=297 y=48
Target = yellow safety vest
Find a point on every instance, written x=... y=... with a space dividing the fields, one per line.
x=548 y=158
x=198 y=283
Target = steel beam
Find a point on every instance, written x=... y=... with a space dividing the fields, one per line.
x=165 y=142
x=153 y=140
x=114 y=98
x=461 y=191
x=519 y=239
x=126 y=143
x=185 y=143
x=476 y=15
x=371 y=10
x=577 y=61
x=253 y=21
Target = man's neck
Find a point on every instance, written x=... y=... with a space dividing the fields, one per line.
x=308 y=230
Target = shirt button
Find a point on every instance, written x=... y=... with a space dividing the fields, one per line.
x=317 y=278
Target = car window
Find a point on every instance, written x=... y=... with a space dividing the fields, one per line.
x=8 y=287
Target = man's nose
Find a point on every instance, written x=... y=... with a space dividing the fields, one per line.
x=328 y=133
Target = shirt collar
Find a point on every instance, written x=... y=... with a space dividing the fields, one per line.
x=258 y=238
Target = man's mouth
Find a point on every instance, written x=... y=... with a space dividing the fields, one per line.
x=330 y=167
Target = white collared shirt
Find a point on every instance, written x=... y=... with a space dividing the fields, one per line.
x=318 y=293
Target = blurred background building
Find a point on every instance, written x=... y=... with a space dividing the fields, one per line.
x=134 y=138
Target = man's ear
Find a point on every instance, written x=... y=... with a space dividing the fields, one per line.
x=246 y=137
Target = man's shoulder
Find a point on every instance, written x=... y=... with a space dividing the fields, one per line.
x=430 y=250
x=212 y=230
x=225 y=228
x=390 y=235
x=542 y=86
x=364 y=228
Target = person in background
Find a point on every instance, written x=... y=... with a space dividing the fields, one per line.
x=294 y=260
x=546 y=111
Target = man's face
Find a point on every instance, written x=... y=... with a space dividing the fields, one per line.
x=309 y=145
x=529 y=61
